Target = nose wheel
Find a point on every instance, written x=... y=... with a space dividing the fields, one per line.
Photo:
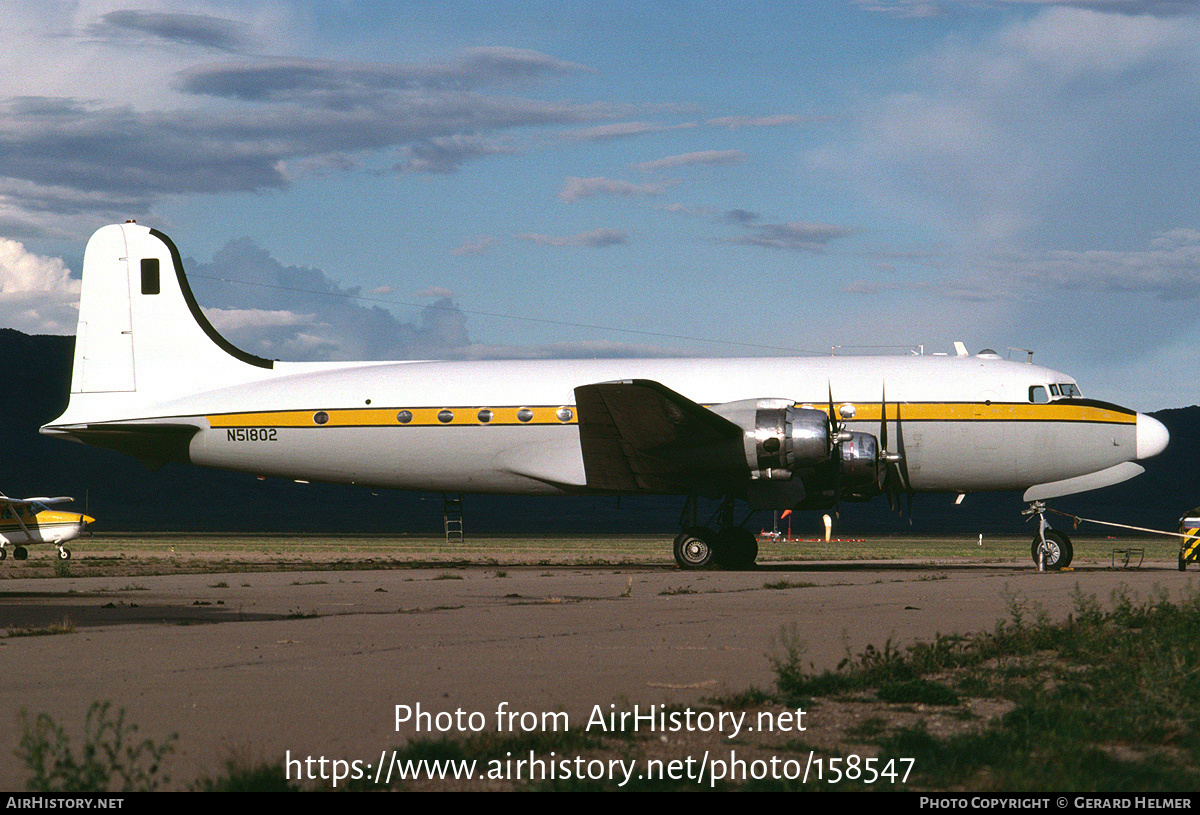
x=1051 y=550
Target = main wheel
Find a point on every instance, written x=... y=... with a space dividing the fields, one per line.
x=4 y=553
x=736 y=548
x=20 y=553
x=1056 y=552
x=694 y=547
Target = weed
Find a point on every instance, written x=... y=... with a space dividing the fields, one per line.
x=869 y=727
x=63 y=627
x=749 y=698
x=111 y=759
x=1108 y=700
x=678 y=590
x=919 y=692
x=237 y=778
x=220 y=584
x=788 y=584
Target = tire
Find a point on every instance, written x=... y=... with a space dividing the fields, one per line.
x=736 y=548
x=694 y=548
x=4 y=553
x=64 y=554
x=20 y=553
x=1058 y=550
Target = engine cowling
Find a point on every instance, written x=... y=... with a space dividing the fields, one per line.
x=796 y=456
x=786 y=439
x=864 y=468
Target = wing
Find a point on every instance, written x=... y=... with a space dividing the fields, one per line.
x=640 y=436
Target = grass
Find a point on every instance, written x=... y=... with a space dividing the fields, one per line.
x=136 y=554
x=65 y=626
x=111 y=758
x=1107 y=701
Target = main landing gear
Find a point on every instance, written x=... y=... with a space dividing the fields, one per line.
x=733 y=546
x=1050 y=549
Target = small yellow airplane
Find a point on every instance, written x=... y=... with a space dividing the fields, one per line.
x=30 y=520
x=154 y=379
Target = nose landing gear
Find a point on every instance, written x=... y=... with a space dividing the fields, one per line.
x=1050 y=549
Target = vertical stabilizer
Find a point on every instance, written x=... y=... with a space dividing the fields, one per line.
x=140 y=328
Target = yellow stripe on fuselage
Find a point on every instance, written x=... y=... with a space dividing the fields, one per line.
x=1063 y=411
x=389 y=417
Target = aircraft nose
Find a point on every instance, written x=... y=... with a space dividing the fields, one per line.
x=1152 y=436
x=88 y=519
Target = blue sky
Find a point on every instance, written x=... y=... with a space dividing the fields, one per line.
x=400 y=180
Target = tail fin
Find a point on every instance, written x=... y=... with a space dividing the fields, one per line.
x=140 y=328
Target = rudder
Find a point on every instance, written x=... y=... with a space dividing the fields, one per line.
x=140 y=328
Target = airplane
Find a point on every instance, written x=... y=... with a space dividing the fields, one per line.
x=154 y=379
x=30 y=520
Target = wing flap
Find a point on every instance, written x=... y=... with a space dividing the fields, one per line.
x=641 y=436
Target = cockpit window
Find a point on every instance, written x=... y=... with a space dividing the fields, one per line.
x=1037 y=395
x=1054 y=390
x=1070 y=390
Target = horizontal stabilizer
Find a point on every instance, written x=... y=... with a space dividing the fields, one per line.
x=152 y=444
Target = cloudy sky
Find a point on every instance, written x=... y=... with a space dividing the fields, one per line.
x=399 y=180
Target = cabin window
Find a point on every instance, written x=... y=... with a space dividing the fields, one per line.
x=150 y=276
x=524 y=415
x=320 y=417
x=564 y=414
x=1037 y=395
x=404 y=416
x=445 y=416
x=486 y=416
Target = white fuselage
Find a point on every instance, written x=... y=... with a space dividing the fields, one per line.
x=153 y=378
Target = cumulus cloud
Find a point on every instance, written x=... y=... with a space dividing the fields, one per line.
x=480 y=246
x=735 y=122
x=1168 y=268
x=710 y=157
x=340 y=84
x=577 y=188
x=595 y=239
x=300 y=313
x=617 y=130
x=1012 y=130
x=186 y=29
x=795 y=236
x=37 y=294
x=251 y=123
x=928 y=8
x=448 y=154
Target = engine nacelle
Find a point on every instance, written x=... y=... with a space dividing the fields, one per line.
x=779 y=438
x=797 y=458
x=863 y=468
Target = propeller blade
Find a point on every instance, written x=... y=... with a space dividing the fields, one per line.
x=883 y=439
x=835 y=449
